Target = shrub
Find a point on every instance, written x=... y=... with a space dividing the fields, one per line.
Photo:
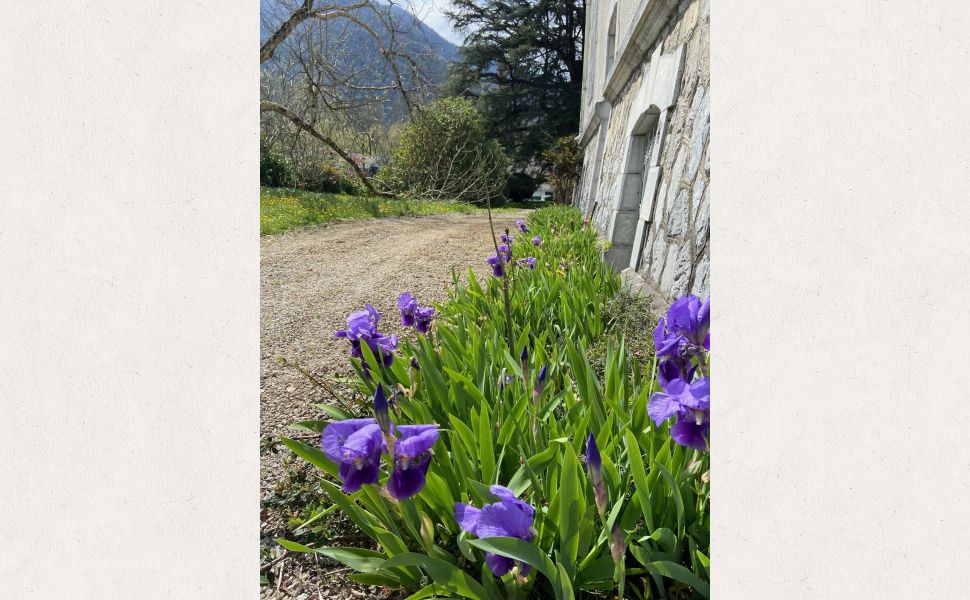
x=507 y=506
x=566 y=160
x=274 y=169
x=321 y=176
x=445 y=153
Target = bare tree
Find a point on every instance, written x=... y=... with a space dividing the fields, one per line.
x=320 y=61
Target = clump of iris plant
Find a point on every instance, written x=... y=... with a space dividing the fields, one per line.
x=537 y=240
x=682 y=340
x=356 y=445
x=413 y=315
x=508 y=517
x=362 y=328
x=521 y=225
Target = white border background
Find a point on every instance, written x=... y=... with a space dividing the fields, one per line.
x=129 y=300
x=840 y=280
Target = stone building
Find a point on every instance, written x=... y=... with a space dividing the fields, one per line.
x=645 y=124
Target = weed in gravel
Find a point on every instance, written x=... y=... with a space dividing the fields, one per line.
x=627 y=315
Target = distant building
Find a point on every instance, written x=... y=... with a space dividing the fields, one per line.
x=645 y=125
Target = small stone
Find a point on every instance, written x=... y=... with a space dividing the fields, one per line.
x=670 y=270
x=677 y=219
x=702 y=277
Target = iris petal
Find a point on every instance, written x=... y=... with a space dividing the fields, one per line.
x=335 y=434
x=504 y=494
x=414 y=440
x=498 y=565
x=467 y=516
x=404 y=483
x=674 y=368
x=687 y=432
x=505 y=518
x=364 y=442
x=662 y=406
x=355 y=478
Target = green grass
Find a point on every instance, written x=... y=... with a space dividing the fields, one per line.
x=283 y=208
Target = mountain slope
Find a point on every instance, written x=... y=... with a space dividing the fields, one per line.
x=356 y=56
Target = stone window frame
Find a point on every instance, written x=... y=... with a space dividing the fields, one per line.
x=630 y=225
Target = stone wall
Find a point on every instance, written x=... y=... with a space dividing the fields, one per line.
x=659 y=204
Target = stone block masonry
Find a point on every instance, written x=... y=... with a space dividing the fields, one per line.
x=646 y=126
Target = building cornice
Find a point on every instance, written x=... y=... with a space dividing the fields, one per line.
x=650 y=19
x=601 y=114
x=586 y=133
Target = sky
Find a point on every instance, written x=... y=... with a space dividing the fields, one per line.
x=430 y=11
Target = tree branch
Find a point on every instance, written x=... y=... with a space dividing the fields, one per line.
x=267 y=106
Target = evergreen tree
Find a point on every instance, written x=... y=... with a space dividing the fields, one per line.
x=523 y=62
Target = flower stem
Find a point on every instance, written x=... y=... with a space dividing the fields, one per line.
x=702 y=365
x=505 y=278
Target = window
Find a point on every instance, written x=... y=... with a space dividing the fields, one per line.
x=611 y=42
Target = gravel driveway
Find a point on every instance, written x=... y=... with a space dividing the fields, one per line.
x=311 y=279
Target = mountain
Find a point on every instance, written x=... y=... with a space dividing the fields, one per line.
x=356 y=55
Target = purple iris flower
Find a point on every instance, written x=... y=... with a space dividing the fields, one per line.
x=527 y=262
x=509 y=517
x=691 y=403
x=360 y=324
x=537 y=240
x=407 y=305
x=506 y=250
x=412 y=457
x=355 y=445
x=685 y=328
x=521 y=225
x=383 y=346
x=423 y=316
x=497 y=260
x=675 y=368
x=506 y=238
x=362 y=328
